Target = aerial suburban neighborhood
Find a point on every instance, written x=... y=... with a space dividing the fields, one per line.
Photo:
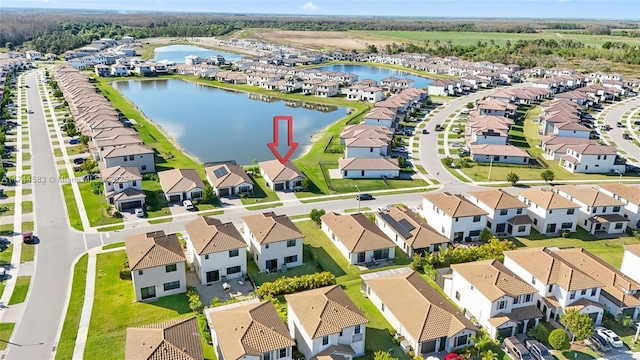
x=200 y=183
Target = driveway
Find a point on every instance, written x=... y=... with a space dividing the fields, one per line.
x=616 y=115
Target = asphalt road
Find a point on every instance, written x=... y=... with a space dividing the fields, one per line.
x=616 y=115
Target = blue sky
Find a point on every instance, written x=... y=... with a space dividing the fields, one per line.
x=545 y=9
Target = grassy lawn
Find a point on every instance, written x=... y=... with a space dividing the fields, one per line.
x=77 y=149
x=351 y=210
x=261 y=193
x=6 y=229
x=72 y=207
x=5 y=334
x=96 y=206
x=20 y=291
x=7 y=210
x=27 y=253
x=27 y=207
x=115 y=309
x=265 y=206
x=56 y=152
x=27 y=226
x=26 y=192
x=212 y=213
x=160 y=221
x=113 y=246
x=72 y=320
x=26 y=156
x=155 y=203
x=111 y=228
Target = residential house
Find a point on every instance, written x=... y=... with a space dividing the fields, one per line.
x=630 y=196
x=140 y=156
x=592 y=158
x=453 y=216
x=506 y=214
x=551 y=213
x=361 y=147
x=327 y=89
x=181 y=184
x=598 y=211
x=216 y=250
x=368 y=168
x=123 y=187
x=358 y=239
x=103 y=145
x=497 y=108
x=176 y=339
x=274 y=241
x=380 y=116
x=498 y=299
x=426 y=320
x=325 y=321
x=631 y=261
x=250 y=330
x=490 y=153
x=229 y=180
x=102 y=70
x=119 y=70
x=279 y=176
x=571 y=129
x=157 y=266
x=409 y=232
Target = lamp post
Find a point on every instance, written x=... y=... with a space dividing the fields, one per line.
x=358 y=197
x=619 y=173
x=490 y=165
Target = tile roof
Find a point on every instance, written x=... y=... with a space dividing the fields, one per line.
x=227 y=175
x=493 y=279
x=152 y=249
x=594 y=149
x=169 y=340
x=454 y=205
x=517 y=315
x=356 y=232
x=501 y=150
x=269 y=227
x=325 y=311
x=180 y=180
x=249 y=330
x=422 y=311
x=123 y=150
x=587 y=195
x=120 y=174
x=548 y=199
x=411 y=227
x=627 y=192
x=277 y=171
x=209 y=235
x=633 y=248
x=368 y=164
x=498 y=199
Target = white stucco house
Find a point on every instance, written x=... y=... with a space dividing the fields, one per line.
x=380 y=116
x=453 y=216
x=157 y=266
x=592 y=159
x=365 y=148
x=274 y=241
x=216 y=251
x=494 y=153
x=279 y=176
x=550 y=213
x=123 y=187
x=181 y=184
x=228 y=180
x=630 y=196
x=631 y=261
x=140 y=156
x=368 y=168
x=506 y=214
x=325 y=321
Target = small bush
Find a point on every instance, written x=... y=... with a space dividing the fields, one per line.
x=204 y=328
x=540 y=333
x=288 y=285
x=566 y=234
x=559 y=340
x=125 y=272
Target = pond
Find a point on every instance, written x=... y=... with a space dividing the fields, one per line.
x=176 y=53
x=213 y=124
x=378 y=73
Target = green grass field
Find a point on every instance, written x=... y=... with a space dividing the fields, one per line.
x=5 y=333
x=95 y=206
x=67 y=341
x=20 y=291
x=72 y=207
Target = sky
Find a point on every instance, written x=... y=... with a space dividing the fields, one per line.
x=544 y=9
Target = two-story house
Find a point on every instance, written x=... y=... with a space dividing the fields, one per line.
x=592 y=159
x=501 y=302
x=327 y=89
x=453 y=216
x=274 y=241
x=551 y=213
x=426 y=320
x=380 y=116
x=409 y=232
x=140 y=156
x=123 y=187
x=630 y=196
x=325 y=321
x=506 y=214
x=249 y=330
x=631 y=261
x=358 y=239
x=598 y=211
x=156 y=262
x=216 y=250
x=559 y=284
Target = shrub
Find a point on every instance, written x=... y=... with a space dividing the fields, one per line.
x=566 y=234
x=559 y=340
x=418 y=262
x=204 y=328
x=288 y=285
x=125 y=272
x=539 y=332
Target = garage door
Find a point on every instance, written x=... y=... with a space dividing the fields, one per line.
x=279 y=186
x=428 y=347
x=224 y=192
x=593 y=316
x=175 y=198
x=505 y=332
x=131 y=204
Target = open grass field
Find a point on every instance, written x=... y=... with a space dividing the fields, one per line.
x=69 y=333
x=20 y=291
x=72 y=207
x=95 y=205
x=5 y=333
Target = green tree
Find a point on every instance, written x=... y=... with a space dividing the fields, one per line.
x=372 y=49
x=548 y=175
x=486 y=235
x=418 y=262
x=207 y=193
x=559 y=340
x=383 y=355
x=579 y=324
x=490 y=355
x=513 y=178
x=89 y=165
x=470 y=105
x=624 y=320
x=84 y=140
x=307 y=184
x=316 y=214
x=402 y=161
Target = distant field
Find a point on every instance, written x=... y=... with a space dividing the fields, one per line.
x=471 y=38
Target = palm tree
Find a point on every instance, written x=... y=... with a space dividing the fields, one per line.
x=490 y=355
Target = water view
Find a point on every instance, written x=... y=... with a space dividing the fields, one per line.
x=377 y=74
x=216 y=125
x=176 y=53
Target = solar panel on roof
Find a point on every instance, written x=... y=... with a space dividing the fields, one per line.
x=220 y=172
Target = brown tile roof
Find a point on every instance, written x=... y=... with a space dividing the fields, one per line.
x=454 y=205
x=251 y=329
x=128 y=194
x=169 y=340
x=123 y=150
x=365 y=142
x=549 y=268
x=209 y=235
x=421 y=310
x=118 y=140
x=153 y=249
x=501 y=150
x=356 y=232
x=548 y=200
x=367 y=131
x=493 y=279
x=411 y=227
x=588 y=195
x=269 y=227
x=626 y=192
x=180 y=180
x=120 y=174
x=227 y=175
x=277 y=171
x=498 y=199
x=633 y=248
x=111 y=132
x=368 y=164
x=517 y=315
x=325 y=311
x=594 y=149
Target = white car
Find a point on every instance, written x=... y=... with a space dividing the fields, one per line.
x=385 y=208
x=139 y=212
x=188 y=205
x=610 y=336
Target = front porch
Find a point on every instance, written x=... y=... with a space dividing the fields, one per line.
x=518 y=321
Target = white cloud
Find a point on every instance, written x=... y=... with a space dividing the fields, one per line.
x=309 y=6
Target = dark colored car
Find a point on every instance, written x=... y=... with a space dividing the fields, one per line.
x=79 y=161
x=28 y=237
x=425 y=131
x=626 y=136
x=364 y=196
x=599 y=343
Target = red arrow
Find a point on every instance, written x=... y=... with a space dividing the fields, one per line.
x=290 y=143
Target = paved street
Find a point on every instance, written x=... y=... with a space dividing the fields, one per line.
x=616 y=115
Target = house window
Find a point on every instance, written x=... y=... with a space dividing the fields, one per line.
x=131 y=157
x=356 y=329
x=362 y=173
x=455 y=219
x=340 y=333
x=550 y=288
x=566 y=225
x=171 y=285
x=519 y=211
x=474 y=233
x=325 y=340
x=535 y=221
x=290 y=259
x=135 y=183
x=583 y=292
x=124 y=158
x=572 y=295
x=457 y=295
x=516 y=300
x=206 y=257
x=489 y=224
x=291 y=243
x=266 y=356
x=283 y=353
x=381 y=254
x=604 y=209
x=619 y=226
x=233 y=270
x=462 y=340
x=533 y=280
x=476 y=218
x=143 y=167
x=571 y=211
x=171 y=267
x=382 y=307
x=140 y=272
x=234 y=253
x=550 y=211
x=148 y=292
x=266 y=246
x=593 y=291
x=616 y=209
x=527 y=298
x=504 y=211
x=522 y=228
x=121 y=186
x=502 y=304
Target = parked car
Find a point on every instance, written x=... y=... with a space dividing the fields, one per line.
x=611 y=337
x=28 y=237
x=438 y=127
x=74 y=141
x=89 y=177
x=455 y=130
x=385 y=207
x=188 y=205
x=456 y=144
x=8 y=164
x=537 y=350
x=597 y=343
x=27 y=86
x=139 y=212
x=29 y=111
x=364 y=196
x=79 y=161
x=626 y=136
x=516 y=349
x=425 y=131
x=453 y=356
x=636 y=123
x=619 y=124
